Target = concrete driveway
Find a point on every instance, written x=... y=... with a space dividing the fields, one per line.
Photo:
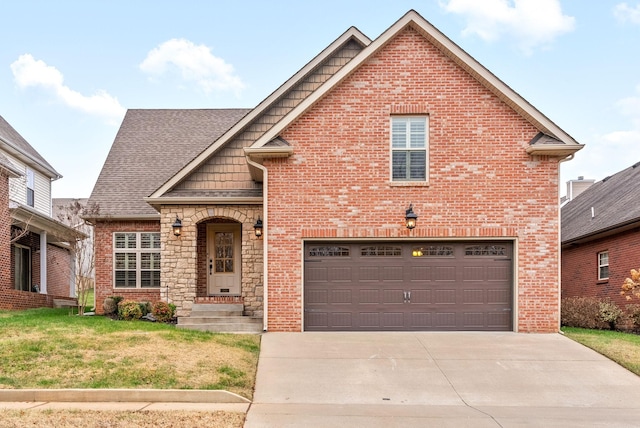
x=438 y=379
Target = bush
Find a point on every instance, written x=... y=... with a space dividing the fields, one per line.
x=163 y=312
x=110 y=306
x=129 y=310
x=582 y=312
x=145 y=307
x=609 y=312
x=633 y=312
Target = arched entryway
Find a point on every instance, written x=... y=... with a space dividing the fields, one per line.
x=219 y=258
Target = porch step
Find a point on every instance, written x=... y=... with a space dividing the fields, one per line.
x=220 y=318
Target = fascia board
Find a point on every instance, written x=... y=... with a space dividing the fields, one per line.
x=451 y=50
x=553 y=149
x=30 y=160
x=253 y=114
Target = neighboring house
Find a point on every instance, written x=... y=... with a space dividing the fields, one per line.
x=601 y=237
x=330 y=168
x=70 y=211
x=36 y=267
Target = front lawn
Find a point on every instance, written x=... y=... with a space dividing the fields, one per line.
x=623 y=348
x=48 y=348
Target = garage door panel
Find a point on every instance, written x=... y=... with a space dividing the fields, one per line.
x=408 y=286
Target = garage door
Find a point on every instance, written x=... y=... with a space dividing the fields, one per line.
x=443 y=286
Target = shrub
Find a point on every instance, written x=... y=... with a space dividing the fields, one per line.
x=583 y=312
x=633 y=312
x=145 y=307
x=110 y=306
x=609 y=312
x=129 y=310
x=162 y=311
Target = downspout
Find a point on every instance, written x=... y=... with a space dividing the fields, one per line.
x=265 y=246
x=568 y=158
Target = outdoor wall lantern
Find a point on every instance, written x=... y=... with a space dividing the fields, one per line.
x=410 y=217
x=258 y=227
x=177 y=226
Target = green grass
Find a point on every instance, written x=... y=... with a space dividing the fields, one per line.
x=623 y=348
x=48 y=348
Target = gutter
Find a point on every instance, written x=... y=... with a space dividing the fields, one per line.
x=265 y=241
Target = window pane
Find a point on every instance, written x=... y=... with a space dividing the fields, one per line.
x=150 y=240
x=418 y=165
x=150 y=279
x=399 y=162
x=604 y=272
x=418 y=133
x=126 y=279
x=399 y=133
x=125 y=240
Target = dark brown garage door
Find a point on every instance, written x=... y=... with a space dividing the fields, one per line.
x=408 y=286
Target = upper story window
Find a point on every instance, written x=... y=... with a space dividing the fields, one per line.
x=30 y=188
x=603 y=265
x=409 y=148
x=136 y=259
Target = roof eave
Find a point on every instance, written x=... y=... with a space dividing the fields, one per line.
x=121 y=217
x=30 y=219
x=603 y=233
x=554 y=150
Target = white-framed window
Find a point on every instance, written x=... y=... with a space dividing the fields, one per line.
x=603 y=265
x=136 y=259
x=31 y=184
x=21 y=267
x=409 y=139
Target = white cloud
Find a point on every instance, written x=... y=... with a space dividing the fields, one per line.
x=623 y=13
x=29 y=72
x=532 y=23
x=195 y=63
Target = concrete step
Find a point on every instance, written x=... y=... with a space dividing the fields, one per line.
x=218 y=320
x=233 y=307
x=200 y=313
x=224 y=327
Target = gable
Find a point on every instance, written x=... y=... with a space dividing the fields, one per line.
x=566 y=144
x=206 y=169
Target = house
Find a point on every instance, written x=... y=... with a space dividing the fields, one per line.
x=297 y=210
x=601 y=237
x=36 y=266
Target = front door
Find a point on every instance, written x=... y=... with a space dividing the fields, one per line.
x=223 y=259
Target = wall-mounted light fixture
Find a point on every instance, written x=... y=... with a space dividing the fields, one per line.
x=177 y=226
x=257 y=228
x=410 y=217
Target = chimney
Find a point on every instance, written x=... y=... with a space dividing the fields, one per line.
x=575 y=187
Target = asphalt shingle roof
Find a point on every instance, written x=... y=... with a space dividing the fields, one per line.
x=150 y=147
x=614 y=201
x=14 y=139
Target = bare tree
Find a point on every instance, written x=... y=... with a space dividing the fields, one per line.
x=82 y=249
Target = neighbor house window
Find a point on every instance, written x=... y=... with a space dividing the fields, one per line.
x=136 y=259
x=603 y=265
x=30 y=188
x=21 y=268
x=409 y=148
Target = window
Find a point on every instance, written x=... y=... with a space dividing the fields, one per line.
x=136 y=258
x=329 y=251
x=603 y=265
x=30 y=188
x=409 y=148
x=22 y=268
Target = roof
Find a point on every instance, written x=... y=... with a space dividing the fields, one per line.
x=150 y=146
x=565 y=144
x=15 y=144
x=613 y=202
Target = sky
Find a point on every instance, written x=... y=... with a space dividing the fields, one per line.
x=69 y=70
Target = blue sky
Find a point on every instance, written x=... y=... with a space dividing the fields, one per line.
x=70 y=69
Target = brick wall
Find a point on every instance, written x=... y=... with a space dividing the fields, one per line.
x=580 y=267
x=104 y=261
x=59 y=269
x=482 y=182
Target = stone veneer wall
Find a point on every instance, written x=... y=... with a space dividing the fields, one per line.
x=179 y=270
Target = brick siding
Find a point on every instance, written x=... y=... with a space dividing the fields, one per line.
x=482 y=183
x=580 y=267
x=104 y=288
